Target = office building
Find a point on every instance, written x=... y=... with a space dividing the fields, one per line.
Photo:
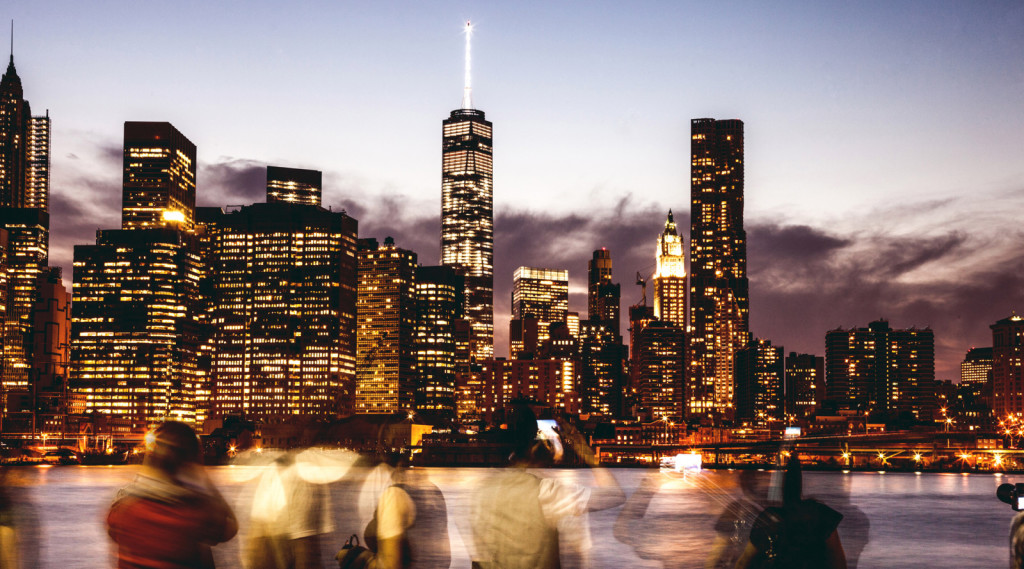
x=439 y=362
x=385 y=328
x=159 y=185
x=135 y=312
x=719 y=301
x=294 y=185
x=467 y=212
x=602 y=359
x=976 y=366
x=670 y=277
x=760 y=372
x=134 y=330
x=541 y=295
x=879 y=369
x=1008 y=367
x=545 y=381
x=281 y=289
x=805 y=384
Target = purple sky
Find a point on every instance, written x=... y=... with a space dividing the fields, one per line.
x=884 y=141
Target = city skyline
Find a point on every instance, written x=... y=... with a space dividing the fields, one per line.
x=882 y=161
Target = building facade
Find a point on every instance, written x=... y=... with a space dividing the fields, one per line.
x=719 y=300
x=440 y=300
x=670 y=277
x=385 y=328
x=1007 y=367
x=540 y=297
x=879 y=369
x=467 y=218
x=659 y=367
x=159 y=181
x=760 y=388
x=282 y=303
x=805 y=384
x=294 y=185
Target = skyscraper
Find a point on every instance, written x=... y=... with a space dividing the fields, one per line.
x=282 y=309
x=15 y=118
x=541 y=295
x=439 y=362
x=385 y=328
x=719 y=303
x=37 y=185
x=977 y=366
x=659 y=360
x=159 y=188
x=670 y=276
x=467 y=212
x=135 y=310
x=603 y=295
x=1008 y=367
x=294 y=185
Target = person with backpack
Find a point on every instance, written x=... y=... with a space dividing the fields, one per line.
x=799 y=534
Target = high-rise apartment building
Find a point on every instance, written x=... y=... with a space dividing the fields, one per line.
x=439 y=362
x=281 y=309
x=467 y=212
x=37 y=183
x=760 y=372
x=602 y=356
x=719 y=301
x=385 y=328
x=805 y=384
x=659 y=368
x=670 y=277
x=159 y=185
x=541 y=295
x=881 y=369
x=1008 y=367
x=294 y=185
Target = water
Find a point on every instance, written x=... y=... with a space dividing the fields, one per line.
x=895 y=519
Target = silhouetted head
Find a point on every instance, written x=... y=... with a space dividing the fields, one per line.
x=522 y=429
x=171 y=446
x=792 y=482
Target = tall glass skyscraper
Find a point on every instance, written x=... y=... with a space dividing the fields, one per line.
x=159 y=188
x=467 y=214
x=719 y=302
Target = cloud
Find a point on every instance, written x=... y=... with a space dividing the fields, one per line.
x=231 y=181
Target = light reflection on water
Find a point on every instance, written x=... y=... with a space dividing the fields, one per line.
x=915 y=520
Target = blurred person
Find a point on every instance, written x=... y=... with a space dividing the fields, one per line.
x=408 y=527
x=171 y=515
x=799 y=534
x=19 y=523
x=522 y=521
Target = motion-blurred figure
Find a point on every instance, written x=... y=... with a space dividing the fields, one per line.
x=408 y=528
x=19 y=524
x=798 y=534
x=171 y=515
x=522 y=521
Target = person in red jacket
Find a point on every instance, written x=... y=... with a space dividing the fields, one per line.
x=171 y=515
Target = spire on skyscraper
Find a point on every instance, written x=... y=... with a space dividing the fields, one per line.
x=467 y=91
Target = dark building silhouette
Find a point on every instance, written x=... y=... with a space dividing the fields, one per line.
x=385 y=328
x=281 y=294
x=805 y=384
x=719 y=301
x=603 y=295
x=159 y=188
x=760 y=373
x=24 y=147
x=879 y=369
x=439 y=362
x=294 y=185
x=1007 y=367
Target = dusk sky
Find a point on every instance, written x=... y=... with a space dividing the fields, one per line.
x=884 y=140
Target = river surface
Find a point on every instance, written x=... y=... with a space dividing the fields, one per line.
x=927 y=520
